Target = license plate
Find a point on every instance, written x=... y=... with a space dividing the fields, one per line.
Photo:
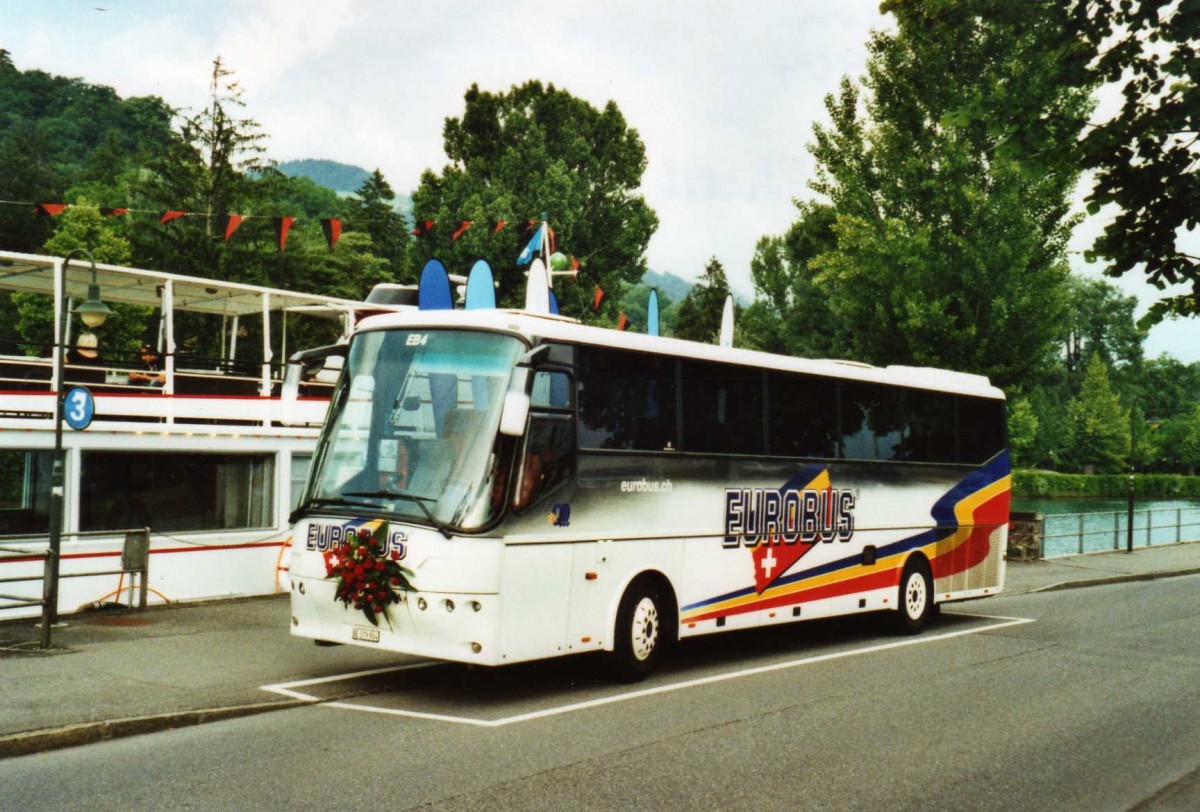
x=366 y=635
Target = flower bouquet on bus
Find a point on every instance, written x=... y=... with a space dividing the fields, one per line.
x=369 y=575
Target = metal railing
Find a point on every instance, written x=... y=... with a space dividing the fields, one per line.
x=135 y=562
x=1076 y=533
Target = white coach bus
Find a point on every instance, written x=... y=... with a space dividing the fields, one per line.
x=497 y=486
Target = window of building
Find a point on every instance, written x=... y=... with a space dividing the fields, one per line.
x=25 y=491
x=176 y=492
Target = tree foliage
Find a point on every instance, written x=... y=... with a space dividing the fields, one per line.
x=938 y=246
x=530 y=151
x=374 y=212
x=700 y=312
x=1100 y=320
x=1144 y=158
x=1098 y=428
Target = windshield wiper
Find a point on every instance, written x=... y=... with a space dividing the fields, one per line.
x=320 y=502
x=419 y=501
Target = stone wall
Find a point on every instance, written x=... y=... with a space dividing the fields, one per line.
x=1025 y=534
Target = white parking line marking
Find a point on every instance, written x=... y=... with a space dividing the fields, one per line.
x=286 y=688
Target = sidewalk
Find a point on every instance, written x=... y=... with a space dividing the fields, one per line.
x=117 y=673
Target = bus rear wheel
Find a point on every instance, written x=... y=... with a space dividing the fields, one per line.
x=914 y=604
x=641 y=634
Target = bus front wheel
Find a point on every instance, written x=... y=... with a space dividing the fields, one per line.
x=643 y=620
x=915 y=598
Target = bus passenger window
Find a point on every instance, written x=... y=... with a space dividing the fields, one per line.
x=548 y=458
x=626 y=400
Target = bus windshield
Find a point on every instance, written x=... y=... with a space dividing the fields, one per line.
x=412 y=427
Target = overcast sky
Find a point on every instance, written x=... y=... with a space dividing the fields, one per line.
x=723 y=94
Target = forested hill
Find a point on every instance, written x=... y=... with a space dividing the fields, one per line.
x=332 y=175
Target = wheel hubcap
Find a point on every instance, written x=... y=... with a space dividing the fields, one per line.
x=914 y=595
x=645 y=628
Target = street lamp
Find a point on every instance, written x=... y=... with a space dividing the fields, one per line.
x=93 y=313
x=1132 y=446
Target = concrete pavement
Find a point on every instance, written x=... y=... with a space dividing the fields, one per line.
x=118 y=672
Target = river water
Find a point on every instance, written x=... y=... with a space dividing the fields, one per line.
x=1092 y=525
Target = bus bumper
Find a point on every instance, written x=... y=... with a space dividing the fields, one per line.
x=461 y=627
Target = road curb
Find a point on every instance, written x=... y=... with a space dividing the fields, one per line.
x=1113 y=579
x=38 y=741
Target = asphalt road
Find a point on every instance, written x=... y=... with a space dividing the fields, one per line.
x=1092 y=705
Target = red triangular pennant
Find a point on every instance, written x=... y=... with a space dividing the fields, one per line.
x=597 y=299
x=622 y=322
x=496 y=226
x=50 y=209
x=423 y=227
x=107 y=212
x=282 y=226
x=228 y=223
x=462 y=229
x=168 y=216
x=332 y=227
x=574 y=263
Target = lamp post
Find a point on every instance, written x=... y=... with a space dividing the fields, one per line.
x=1132 y=446
x=93 y=313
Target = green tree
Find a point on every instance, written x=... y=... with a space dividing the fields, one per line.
x=1143 y=158
x=210 y=169
x=1051 y=443
x=1098 y=428
x=792 y=313
x=700 y=312
x=949 y=250
x=1100 y=320
x=374 y=213
x=84 y=227
x=1178 y=441
x=532 y=150
x=1022 y=432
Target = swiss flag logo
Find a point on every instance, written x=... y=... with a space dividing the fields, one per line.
x=772 y=557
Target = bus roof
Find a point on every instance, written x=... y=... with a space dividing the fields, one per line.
x=560 y=328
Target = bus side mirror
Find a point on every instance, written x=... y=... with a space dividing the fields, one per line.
x=297 y=366
x=514 y=414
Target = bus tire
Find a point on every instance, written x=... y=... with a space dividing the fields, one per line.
x=914 y=604
x=643 y=621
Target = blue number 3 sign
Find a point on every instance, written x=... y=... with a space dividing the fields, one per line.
x=79 y=408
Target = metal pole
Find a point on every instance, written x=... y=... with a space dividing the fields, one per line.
x=58 y=476
x=1132 y=445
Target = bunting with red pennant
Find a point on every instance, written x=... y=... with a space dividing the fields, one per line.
x=496 y=226
x=168 y=216
x=461 y=230
x=622 y=322
x=424 y=228
x=282 y=226
x=228 y=223
x=110 y=212
x=332 y=227
x=597 y=299
x=50 y=209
